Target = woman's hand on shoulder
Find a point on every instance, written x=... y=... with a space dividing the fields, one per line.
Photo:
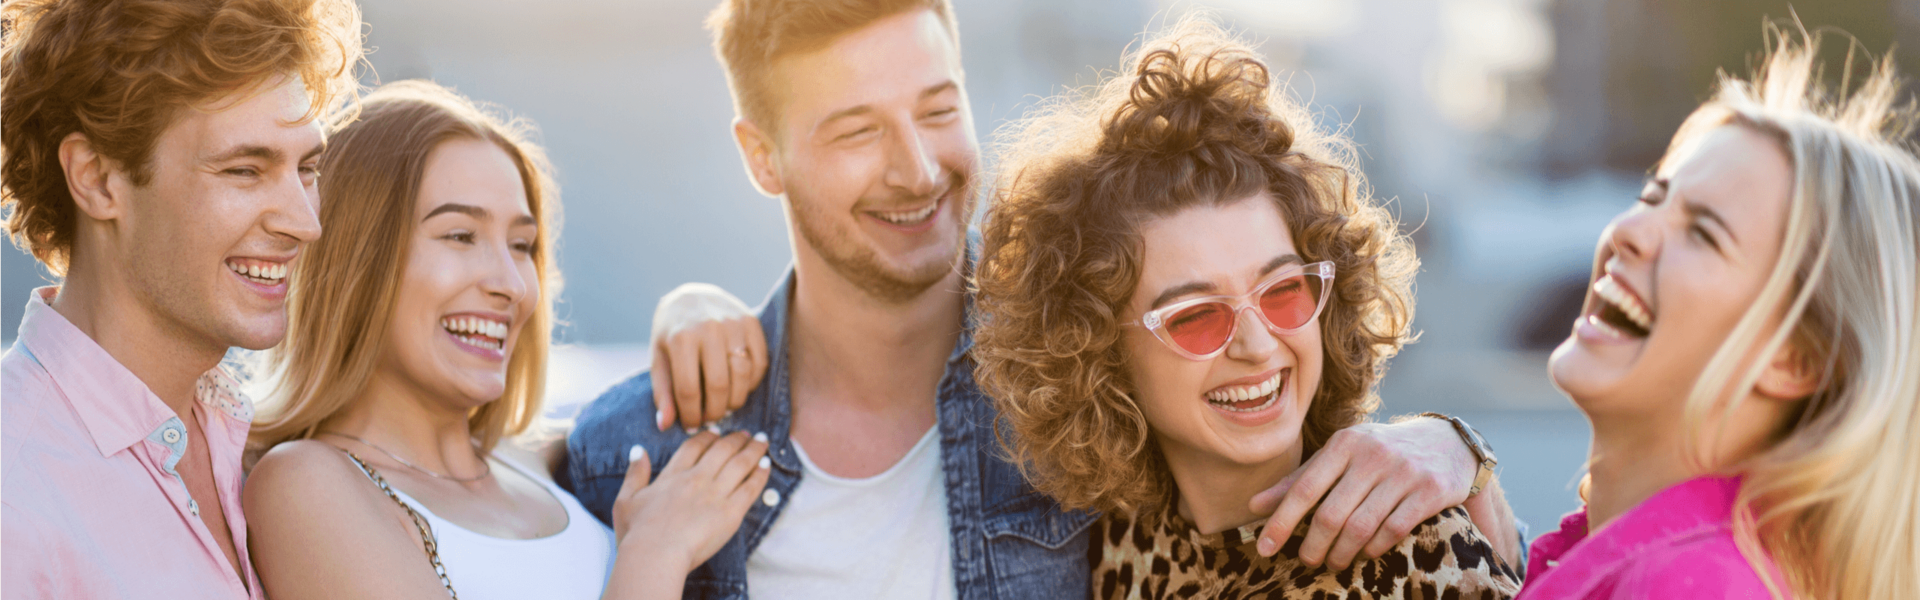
x=666 y=528
x=708 y=353
x=317 y=527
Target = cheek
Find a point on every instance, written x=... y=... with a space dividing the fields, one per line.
x=1161 y=379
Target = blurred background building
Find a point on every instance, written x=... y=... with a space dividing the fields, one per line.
x=1507 y=131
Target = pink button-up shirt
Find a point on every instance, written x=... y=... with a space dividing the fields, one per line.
x=92 y=506
x=1677 y=544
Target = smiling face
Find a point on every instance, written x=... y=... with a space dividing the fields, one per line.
x=470 y=279
x=1674 y=274
x=876 y=154
x=230 y=201
x=1246 y=405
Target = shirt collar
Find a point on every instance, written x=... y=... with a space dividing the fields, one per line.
x=769 y=407
x=115 y=406
x=1575 y=557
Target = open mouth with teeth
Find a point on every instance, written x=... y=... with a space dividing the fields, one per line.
x=259 y=271
x=909 y=218
x=478 y=332
x=1620 y=310
x=1250 y=398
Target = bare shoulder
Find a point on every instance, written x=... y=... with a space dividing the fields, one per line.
x=302 y=479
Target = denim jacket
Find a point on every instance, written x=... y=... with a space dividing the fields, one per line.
x=1008 y=540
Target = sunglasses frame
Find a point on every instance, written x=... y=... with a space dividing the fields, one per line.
x=1155 y=321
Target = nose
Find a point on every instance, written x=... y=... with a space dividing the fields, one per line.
x=502 y=280
x=294 y=212
x=911 y=167
x=1635 y=235
x=1252 y=341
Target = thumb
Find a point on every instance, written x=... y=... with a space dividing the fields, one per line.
x=639 y=471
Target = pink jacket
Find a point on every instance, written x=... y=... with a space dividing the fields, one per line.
x=1677 y=544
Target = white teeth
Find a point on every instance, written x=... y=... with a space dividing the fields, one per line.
x=268 y=272
x=902 y=218
x=1629 y=305
x=479 y=332
x=1245 y=393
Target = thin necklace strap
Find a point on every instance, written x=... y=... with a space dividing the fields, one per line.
x=486 y=467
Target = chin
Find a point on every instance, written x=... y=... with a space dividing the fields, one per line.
x=259 y=333
x=1574 y=373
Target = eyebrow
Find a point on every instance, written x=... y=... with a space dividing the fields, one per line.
x=1206 y=286
x=1700 y=211
x=931 y=91
x=473 y=211
x=267 y=153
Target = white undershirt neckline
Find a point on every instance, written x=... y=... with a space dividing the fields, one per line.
x=885 y=536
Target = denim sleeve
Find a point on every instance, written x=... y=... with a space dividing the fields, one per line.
x=603 y=434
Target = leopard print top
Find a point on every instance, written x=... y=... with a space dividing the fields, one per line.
x=1161 y=555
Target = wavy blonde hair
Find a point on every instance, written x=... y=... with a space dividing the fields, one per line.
x=345 y=285
x=1197 y=121
x=1834 y=500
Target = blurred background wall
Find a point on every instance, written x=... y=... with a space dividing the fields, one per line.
x=1507 y=131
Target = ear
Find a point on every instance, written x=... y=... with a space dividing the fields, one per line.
x=757 y=151
x=1792 y=374
x=88 y=173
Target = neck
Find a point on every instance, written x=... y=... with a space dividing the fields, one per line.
x=406 y=421
x=1628 y=463
x=165 y=355
x=1214 y=493
x=847 y=346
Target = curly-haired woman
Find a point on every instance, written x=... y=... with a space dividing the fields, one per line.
x=1187 y=289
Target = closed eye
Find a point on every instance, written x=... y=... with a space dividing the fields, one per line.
x=464 y=237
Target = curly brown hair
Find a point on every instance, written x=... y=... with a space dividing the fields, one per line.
x=1199 y=122
x=119 y=71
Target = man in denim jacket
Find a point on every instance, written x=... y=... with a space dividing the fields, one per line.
x=883 y=452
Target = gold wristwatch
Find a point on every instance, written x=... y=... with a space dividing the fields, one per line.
x=1481 y=450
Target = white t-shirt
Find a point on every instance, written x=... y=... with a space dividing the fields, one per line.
x=885 y=536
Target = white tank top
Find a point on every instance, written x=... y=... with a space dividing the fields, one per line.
x=572 y=564
x=881 y=537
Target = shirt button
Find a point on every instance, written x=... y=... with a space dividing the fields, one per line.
x=770 y=497
x=172 y=436
x=193 y=506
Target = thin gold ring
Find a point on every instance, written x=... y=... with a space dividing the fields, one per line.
x=741 y=352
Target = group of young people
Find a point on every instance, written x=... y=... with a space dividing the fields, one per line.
x=1149 y=374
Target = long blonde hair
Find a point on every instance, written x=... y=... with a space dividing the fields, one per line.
x=1835 y=500
x=345 y=286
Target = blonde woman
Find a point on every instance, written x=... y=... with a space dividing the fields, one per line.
x=1749 y=357
x=420 y=325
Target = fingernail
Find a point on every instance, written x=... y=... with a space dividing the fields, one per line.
x=692 y=430
x=636 y=453
x=660 y=419
x=1266 y=546
x=760 y=437
x=765 y=462
x=714 y=427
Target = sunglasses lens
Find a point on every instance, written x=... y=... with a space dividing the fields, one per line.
x=1291 y=301
x=1201 y=329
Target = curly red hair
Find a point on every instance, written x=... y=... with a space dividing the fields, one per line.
x=118 y=71
x=1200 y=121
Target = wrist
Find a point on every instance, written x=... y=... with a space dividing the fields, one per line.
x=1479 y=452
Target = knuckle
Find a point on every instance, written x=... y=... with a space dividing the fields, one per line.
x=1326 y=520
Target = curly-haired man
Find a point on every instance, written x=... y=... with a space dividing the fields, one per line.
x=160 y=158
